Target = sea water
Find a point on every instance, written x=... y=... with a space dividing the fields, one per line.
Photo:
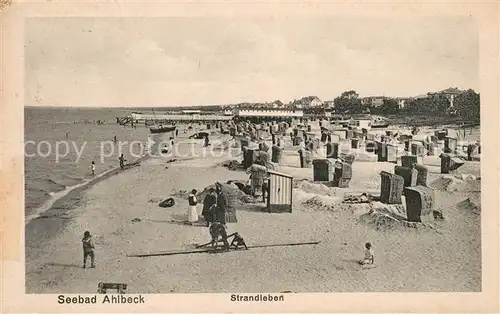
x=48 y=174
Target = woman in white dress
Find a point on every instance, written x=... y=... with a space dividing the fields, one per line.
x=192 y=211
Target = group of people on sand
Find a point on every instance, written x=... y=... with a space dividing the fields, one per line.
x=214 y=206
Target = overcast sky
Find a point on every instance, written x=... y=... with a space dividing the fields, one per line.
x=196 y=61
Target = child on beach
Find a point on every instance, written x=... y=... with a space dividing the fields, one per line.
x=92 y=168
x=122 y=162
x=369 y=258
x=88 y=249
x=192 y=212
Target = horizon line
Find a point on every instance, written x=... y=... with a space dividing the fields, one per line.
x=230 y=104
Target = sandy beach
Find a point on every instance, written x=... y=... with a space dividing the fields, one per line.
x=440 y=256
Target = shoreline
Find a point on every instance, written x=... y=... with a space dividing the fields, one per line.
x=51 y=217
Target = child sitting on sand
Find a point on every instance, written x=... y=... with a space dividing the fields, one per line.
x=88 y=249
x=368 y=255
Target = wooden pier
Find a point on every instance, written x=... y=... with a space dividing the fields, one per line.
x=149 y=119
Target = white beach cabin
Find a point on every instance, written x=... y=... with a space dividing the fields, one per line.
x=280 y=192
x=361 y=122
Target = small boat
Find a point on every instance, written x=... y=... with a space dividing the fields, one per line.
x=162 y=128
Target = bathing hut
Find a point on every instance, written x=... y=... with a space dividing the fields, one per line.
x=280 y=192
x=341 y=133
x=361 y=122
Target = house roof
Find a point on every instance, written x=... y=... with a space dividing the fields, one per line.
x=279 y=174
x=309 y=98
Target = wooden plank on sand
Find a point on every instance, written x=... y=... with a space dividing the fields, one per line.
x=208 y=250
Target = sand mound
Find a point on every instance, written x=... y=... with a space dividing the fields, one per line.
x=379 y=220
x=454 y=184
x=448 y=184
x=234 y=195
x=469 y=205
x=385 y=221
x=397 y=210
x=466 y=177
x=385 y=217
x=309 y=186
x=364 y=156
x=321 y=203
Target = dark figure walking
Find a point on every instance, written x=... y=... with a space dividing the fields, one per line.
x=88 y=249
x=221 y=205
x=265 y=190
x=208 y=208
x=122 y=162
x=207 y=141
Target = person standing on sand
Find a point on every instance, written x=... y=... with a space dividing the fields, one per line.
x=115 y=139
x=208 y=202
x=88 y=249
x=207 y=141
x=220 y=215
x=122 y=162
x=265 y=187
x=92 y=168
x=192 y=212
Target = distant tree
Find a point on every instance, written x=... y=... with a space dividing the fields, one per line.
x=389 y=106
x=467 y=105
x=348 y=102
x=436 y=105
x=367 y=108
x=316 y=110
x=351 y=94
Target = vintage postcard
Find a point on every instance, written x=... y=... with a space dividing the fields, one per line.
x=249 y=157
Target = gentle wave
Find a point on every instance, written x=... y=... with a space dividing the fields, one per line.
x=55 y=196
x=47 y=177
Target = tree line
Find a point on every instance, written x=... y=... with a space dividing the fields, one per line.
x=465 y=105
